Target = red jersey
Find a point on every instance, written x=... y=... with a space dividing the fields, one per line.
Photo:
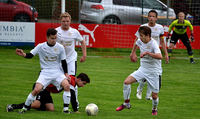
x=51 y=88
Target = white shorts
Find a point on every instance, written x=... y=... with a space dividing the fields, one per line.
x=152 y=79
x=51 y=76
x=71 y=67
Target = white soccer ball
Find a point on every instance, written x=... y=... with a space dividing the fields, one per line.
x=91 y=109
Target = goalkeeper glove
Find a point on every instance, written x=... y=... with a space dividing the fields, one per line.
x=191 y=37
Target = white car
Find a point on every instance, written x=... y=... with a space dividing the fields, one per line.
x=124 y=11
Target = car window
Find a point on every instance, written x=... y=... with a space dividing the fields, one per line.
x=123 y=2
x=4 y=1
x=152 y=4
x=96 y=1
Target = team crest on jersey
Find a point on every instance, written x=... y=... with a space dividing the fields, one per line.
x=156 y=29
x=55 y=49
x=70 y=34
x=148 y=47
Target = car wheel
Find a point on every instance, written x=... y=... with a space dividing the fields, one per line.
x=21 y=18
x=111 y=20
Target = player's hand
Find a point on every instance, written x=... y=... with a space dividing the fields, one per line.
x=68 y=77
x=191 y=38
x=133 y=57
x=83 y=59
x=143 y=54
x=166 y=59
x=20 y=52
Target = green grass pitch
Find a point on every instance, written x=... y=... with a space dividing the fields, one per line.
x=178 y=98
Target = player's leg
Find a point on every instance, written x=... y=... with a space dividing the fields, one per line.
x=31 y=97
x=11 y=107
x=72 y=68
x=127 y=88
x=139 y=89
x=66 y=95
x=173 y=41
x=187 y=44
x=154 y=85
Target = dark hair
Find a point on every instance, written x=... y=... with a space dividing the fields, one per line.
x=154 y=11
x=84 y=77
x=145 y=30
x=51 y=31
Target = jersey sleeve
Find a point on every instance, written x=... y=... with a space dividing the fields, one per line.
x=78 y=36
x=62 y=53
x=161 y=31
x=190 y=26
x=156 y=48
x=171 y=26
x=35 y=50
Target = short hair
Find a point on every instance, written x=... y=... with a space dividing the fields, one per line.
x=153 y=11
x=181 y=13
x=51 y=31
x=145 y=30
x=84 y=77
x=65 y=14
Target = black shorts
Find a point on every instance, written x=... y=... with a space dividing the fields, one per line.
x=44 y=97
x=183 y=37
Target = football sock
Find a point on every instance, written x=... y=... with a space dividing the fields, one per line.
x=148 y=92
x=169 y=51
x=141 y=85
x=18 y=106
x=155 y=103
x=29 y=100
x=127 y=91
x=66 y=99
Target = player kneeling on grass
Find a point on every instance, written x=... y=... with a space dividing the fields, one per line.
x=51 y=56
x=44 y=101
x=150 y=68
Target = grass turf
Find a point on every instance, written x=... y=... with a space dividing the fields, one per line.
x=178 y=97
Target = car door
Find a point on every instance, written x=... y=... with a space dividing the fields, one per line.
x=6 y=10
x=127 y=11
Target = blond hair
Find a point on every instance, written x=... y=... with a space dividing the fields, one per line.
x=181 y=13
x=65 y=14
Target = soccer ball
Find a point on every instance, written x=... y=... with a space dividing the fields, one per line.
x=91 y=109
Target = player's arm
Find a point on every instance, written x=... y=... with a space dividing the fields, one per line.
x=64 y=66
x=83 y=47
x=133 y=56
x=73 y=101
x=20 y=52
x=162 y=42
x=154 y=55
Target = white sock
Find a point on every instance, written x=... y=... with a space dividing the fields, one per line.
x=141 y=85
x=66 y=99
x=127 y=91
x=29 y=100
x=148 y=92
x=155 y=103
x=76 y=93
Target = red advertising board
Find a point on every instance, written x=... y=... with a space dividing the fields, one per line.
x=108 y=36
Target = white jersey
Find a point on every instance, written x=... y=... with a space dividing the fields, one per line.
x=67 y=39
x=50 y=57
x=156 y=32
x=148 y=63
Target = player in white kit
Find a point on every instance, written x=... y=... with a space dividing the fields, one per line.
x=67 y=36
x=52 y=59
x=157 y=32
x=150 y=68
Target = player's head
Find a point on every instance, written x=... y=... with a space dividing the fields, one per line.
x=65 y=20
x=51 y=36
x=181 y=16
x=152 y=16
x=82 y=80
x=145 y=33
